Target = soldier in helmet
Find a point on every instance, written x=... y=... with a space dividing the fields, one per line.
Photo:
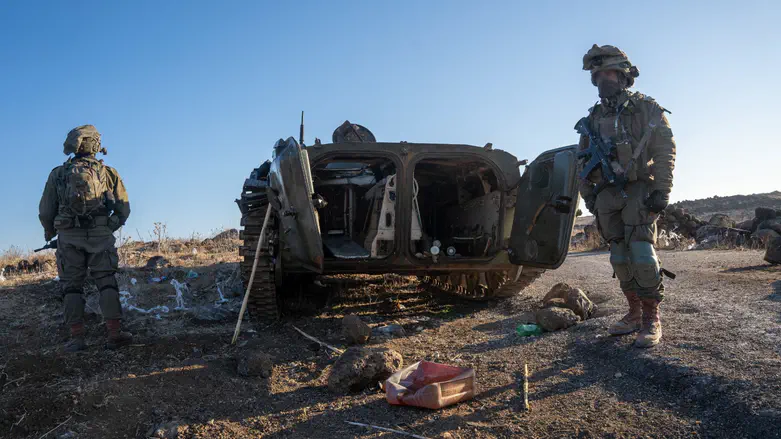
x=83 y=203
x=644 y=153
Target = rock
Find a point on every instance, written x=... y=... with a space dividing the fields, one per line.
x=156 y=262
x=553 y=319
x=590 y=229
x=359 y=367
x=169 y=430
x=355 y=330
x=765 y=236
x=721 y=220
x=772 y=224
x=773 y=253
x=746 y=225
x=765 y=213
x=228 y=234
x=253 y=364
x=395 y=330
x=68 y=435
x=211 y=313
x=574 y=299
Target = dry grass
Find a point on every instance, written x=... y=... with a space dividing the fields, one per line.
x=590 y=243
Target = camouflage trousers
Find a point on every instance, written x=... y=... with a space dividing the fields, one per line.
x=78 y=255
x=630 y=229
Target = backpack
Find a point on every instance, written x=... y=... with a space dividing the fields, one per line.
x=84 y=188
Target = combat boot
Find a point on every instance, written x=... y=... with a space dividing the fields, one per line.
x=651 y=333
x=632 y=321
x=117 y=338
x=76 y=342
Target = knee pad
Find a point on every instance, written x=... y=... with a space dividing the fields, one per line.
x=619 y=259
x=645 y=264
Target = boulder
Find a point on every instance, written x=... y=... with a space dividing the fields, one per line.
x=227 y=234
x=355 y=330
x=590 y=229
x=554 y=318
x=746 y=225
x=706 y=232
x=721 y=220
x=765 y=236
x=772 y=224
x=254 y=364
x=773 y=253
x=359 y=367
x=573 y=299
x=765 y=213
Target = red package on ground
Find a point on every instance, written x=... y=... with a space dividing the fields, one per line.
x=430 y=385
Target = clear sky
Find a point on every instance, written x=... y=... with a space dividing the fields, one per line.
x=191 y=95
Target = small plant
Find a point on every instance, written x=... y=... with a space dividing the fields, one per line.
x=161 y=236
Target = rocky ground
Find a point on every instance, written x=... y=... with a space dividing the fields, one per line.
x=715 y=375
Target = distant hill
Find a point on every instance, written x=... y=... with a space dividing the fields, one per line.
x=737 y=207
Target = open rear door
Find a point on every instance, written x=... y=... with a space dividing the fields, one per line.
x=545 y=210
x=290 y=179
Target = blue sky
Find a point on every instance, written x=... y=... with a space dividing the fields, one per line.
x=190 y=96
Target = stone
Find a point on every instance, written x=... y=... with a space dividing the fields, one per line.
x=355 y=330
x=590 y=229
x=574 y=299
x=156 y=262
x=394 y=330
x=721 y=220
x=765 y=213
x=211 y=313
x=360 y=367
x=254 y=364
x=746 y=225
x=228 y=234
x=168 y=430
x=772 y=224
x=553 y=318
x=765 y=236
x=773 y=253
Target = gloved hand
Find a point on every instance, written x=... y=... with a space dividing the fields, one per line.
x=590 y=201
x=657 y=201
x=49 y=235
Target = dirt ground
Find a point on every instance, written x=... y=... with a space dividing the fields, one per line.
x=717 y=373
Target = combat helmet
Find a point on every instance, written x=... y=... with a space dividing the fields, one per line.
x=352 y=132
x=600 y=58
x=84 y=139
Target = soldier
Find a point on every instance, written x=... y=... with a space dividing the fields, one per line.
x=645 y=154
x=83 y=203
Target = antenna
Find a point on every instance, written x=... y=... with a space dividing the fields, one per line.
x=301 y=130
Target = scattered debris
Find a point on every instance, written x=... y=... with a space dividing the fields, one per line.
x=253 y=364
x=430 y=385
x=528 y=330
x=169 y=430
x=180 y=290
x=192 y=274
x=325 y=345
x=58 y=426
x=390 y=430
x=526 y=406
x=355 y=330
x=360 y=367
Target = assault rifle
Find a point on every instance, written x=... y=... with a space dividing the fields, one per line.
x=599 y=153
x=50 y=244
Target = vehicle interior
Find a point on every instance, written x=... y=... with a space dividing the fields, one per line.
x=358 y=221
x=459 y=203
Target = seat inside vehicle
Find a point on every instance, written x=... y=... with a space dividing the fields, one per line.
x=359 y=219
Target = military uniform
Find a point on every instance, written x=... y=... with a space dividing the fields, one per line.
x=85 y=237
x=644 y=153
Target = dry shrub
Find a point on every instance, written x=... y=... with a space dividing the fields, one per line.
x=591 y=242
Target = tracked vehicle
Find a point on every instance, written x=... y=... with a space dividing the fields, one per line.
x=463 y=218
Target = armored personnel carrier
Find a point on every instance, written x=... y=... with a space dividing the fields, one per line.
x=463 y=218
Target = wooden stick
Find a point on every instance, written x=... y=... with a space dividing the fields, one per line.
x=63 y=423
x=325 y=345
x=404 y=433
x=252 y=275
x=526 y=387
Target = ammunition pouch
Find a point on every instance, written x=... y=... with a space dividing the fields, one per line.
x=80 y=222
